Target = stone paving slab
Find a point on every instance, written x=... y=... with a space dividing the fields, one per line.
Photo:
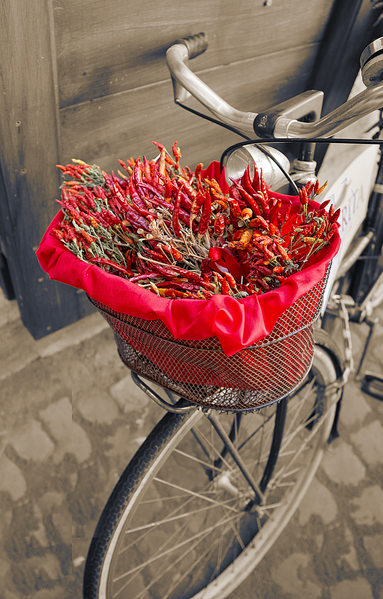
x=71 y=418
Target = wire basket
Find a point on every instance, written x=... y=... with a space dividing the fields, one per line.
x=202 y=373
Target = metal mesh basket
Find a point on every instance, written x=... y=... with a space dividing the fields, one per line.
x=202 y=373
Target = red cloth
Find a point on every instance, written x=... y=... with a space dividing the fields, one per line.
x=237 y=323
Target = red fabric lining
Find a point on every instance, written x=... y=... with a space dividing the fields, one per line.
x=237 y=323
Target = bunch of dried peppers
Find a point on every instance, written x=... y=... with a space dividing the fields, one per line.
x=177 y=233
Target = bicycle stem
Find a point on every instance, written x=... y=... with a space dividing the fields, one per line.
x=362 y=104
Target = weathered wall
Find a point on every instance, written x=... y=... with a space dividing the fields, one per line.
x=114 y=89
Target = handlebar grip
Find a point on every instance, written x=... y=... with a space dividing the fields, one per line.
x=196 y=44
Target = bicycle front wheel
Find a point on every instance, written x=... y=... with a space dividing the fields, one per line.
x=193 y=515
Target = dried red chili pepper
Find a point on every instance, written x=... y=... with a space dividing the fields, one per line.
x=255 y=181
x=289 y=224
x=219 y=224
x=246 y=181
x=154 y=177
x=186 y=202
x=139 y=204
x=320 y=189
x=225 y=287
x=330 y=234
x=268 y=254
x=230 y=279
x=206 y=213
x=177 y=154
x=135 y=218
x=250 y=201
x=173 y=252
x=324 y=204
x=180 y=283
x=141 y=277
x=172 y=293
x=273 y=230
x=259 y=221
x=59 y=233
x=88 y=238
x=107 y=262
x=162 y=164
x=335 y=216
x=152 y=189
x=262 y=239
x=321 y=229
x=309 y=187
x=282 y=251
x=264 y=270
x=197 y=203
x=156 y=255
x=262 y=283
x=303 y=196
x=263 y=187
x=245 y=238
x=235 y=209
x=188 y=188
x=246 y=213
x=198 y=169
x=274 y=211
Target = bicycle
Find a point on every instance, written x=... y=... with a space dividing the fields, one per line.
x=207 y=494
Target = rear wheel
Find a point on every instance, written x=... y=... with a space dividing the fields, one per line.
x=192 y=516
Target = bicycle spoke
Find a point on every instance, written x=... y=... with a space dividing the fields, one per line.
x=301 y=448
x=237 y=535
x=205 y=553
x=188 y=570
x=271 y=506
x=174 y=548
x=161 y=553
x=215 y=449
x=195 y=459
x=255 y=432
x=177 y=560
x=194 y=493
x=219 y=559
x=171 y=565
x=197 y=435
x=178 y=516
x=185 y=501
x=290 y=437
x=169 y=539
x=165 y=498
x=200 y=558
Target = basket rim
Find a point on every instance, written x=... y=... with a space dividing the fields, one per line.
x=176 y=342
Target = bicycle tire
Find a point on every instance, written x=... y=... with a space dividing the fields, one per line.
x=136 y=499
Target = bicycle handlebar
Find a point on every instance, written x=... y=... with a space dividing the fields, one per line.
x=184 y=79
x=268 y=124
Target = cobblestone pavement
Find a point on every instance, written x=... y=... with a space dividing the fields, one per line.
x=70 y=421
